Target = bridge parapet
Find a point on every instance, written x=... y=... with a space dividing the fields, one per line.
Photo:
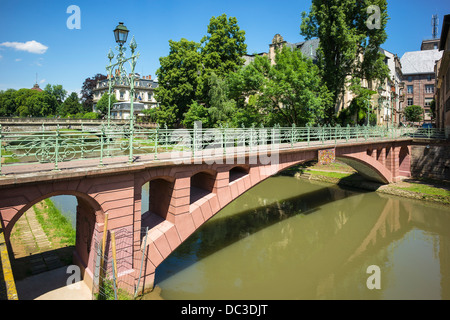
x=46 y=147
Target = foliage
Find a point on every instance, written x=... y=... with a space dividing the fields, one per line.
x=91 y=115
x=8 y=104
x=87 y=93
x=359 y=108
x=197 y=112
x=193 y=76
x=348 y=47
x=413 y=113
x=71 y=105
x=223 y=46
x=179 y=80
x=34 y=103
x=292 y=91
x=102 y=104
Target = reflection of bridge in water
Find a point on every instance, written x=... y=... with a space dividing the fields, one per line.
x=185 y=191
x=319 y=261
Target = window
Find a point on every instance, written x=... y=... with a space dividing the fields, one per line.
x=409 y=78
x=410 y=101
x=122 y=95
x=429 y=88
x=428 y=102
x=429 y=77
x=410 y=89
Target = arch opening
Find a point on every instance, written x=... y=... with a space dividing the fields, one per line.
x=236 y=173
x=156 y=195
x=202 y=184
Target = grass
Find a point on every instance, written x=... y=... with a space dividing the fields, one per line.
x=426 y=189
x=57 y=227
x=332 y=174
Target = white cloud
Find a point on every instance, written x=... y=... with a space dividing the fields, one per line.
x=29 y=46
x=18 y=59
x=1 y=56
x=42 y=81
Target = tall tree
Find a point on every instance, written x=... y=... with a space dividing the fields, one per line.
x=222 y=50
x=350 y=34
x=224 y=46
x=179 y=80
x=87 y=93
x=7 y=102
x=71 y=105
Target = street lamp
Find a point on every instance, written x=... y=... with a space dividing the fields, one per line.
x=118 y=74
x=121 y=34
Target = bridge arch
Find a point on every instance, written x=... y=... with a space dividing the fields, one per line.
x=368 y=167
x=89 y=215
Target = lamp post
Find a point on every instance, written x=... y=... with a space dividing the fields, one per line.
x=118 y=74
x=380 y=99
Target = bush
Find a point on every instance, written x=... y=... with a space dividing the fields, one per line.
x=91 y=115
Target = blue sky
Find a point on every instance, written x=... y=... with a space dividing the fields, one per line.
x=34 y=38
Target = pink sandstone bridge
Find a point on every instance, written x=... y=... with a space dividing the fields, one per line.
x=182 y=196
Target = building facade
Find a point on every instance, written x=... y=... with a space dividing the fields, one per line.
x=144 y=95
x=419 y=76
x=442 y=68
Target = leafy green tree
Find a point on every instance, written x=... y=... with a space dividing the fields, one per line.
x=35 y=103
x=293 y=92
x=221 y=107
x=349 y=42
x=197 y=112
x=413 y=113
x=71 y=105
x=179 y=80
x=7 y=102
x=102 y=104
x=223 y=46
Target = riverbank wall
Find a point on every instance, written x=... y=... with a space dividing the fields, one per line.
x=431 y=159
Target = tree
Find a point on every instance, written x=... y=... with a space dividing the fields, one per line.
x=222 y=50
x=71 y=105
x=413 y=113
x=179 y=80
x=34 y=103
x=102 y=104
x=7 y=102
x=87 y=93
x=293 y=92
x=224 y=46
x=349 y=42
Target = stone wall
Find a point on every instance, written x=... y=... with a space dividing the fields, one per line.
x=431 y=160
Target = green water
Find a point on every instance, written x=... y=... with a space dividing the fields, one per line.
x=294 y=239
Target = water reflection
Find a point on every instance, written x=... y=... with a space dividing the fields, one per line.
x=314 y=246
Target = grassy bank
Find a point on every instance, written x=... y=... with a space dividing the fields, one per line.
x=339 y=173
x=56 y=226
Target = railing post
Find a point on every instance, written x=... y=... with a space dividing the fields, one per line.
x=308 y=132
x=102 y=136
x=156 y=142
x=292 y=135
x=57 y=147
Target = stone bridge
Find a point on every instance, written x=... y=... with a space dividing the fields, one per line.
x=182 y=196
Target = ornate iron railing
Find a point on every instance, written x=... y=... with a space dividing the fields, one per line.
x=54 y=146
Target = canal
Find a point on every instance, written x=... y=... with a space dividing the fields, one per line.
x=288 y=238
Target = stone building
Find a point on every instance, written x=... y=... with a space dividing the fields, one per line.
x=442 y=68
x=419 y=76
x=144 y=94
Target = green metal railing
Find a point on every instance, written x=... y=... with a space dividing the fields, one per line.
x=56 y=145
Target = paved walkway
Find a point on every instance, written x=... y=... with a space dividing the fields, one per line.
x=48 y=280
x=33 y=240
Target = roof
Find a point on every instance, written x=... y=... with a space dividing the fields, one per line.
x=308 y=47
x=419 y=62
x=36 y=87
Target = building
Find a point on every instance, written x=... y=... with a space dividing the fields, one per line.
x=419 y=76
x=144 y=94
x=36 y=87
x=442 y=94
